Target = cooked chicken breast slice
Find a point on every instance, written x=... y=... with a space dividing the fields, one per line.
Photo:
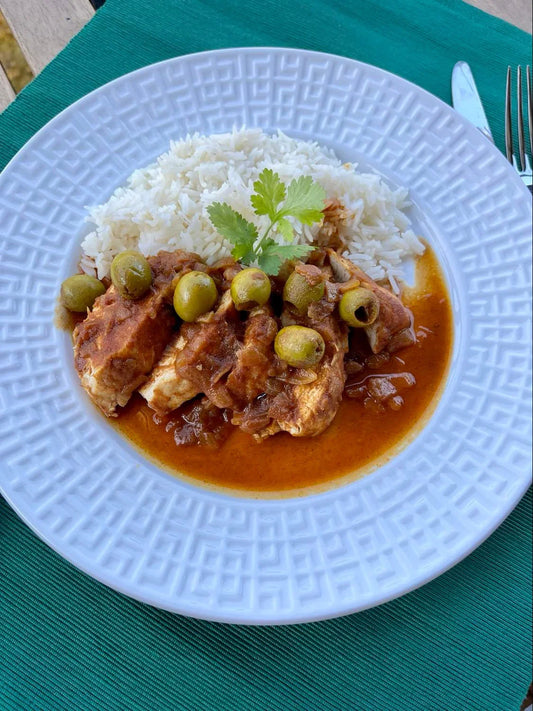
x=393 y=329
x=190 y=360
x=117 y=345
x=164 y=391
x=255 y=360
x=307 y=410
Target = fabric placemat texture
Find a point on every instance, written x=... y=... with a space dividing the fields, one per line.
x=460 y=642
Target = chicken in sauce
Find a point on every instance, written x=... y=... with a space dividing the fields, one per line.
x=121 y=340
x=236 y=360
x=304 y=354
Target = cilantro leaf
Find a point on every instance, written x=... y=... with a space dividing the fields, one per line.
x=274 y=254
x=232 y=225
x=269 y=192
x=305 y=200
x=242 y=253
x=269 y=263
x=285 y=227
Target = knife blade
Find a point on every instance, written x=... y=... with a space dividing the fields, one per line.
x=465 y=98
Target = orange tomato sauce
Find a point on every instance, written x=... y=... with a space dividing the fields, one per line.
x=359 y=439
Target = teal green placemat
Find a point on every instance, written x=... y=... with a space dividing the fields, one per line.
x=462 y=642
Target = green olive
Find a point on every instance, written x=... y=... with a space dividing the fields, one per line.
x=194 y=295
x=131 y=274
x=299 y=292
x=78 y=292
x=250 y=288
x=299 y=346
x=359 y=307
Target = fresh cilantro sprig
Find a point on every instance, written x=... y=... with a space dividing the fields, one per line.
x=302 y=199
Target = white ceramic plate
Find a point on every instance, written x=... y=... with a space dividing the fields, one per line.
x=96 y=501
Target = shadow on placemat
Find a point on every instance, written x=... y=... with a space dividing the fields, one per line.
x=527 y=703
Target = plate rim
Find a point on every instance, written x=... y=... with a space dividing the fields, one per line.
x=295 y=618
x=266 y=48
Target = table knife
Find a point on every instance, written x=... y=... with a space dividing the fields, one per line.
x=465 y=98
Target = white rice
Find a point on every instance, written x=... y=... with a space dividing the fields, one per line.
x=164 y=206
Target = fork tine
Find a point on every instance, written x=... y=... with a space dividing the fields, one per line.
x=508 y=123
x=520 y=119
x=529 y=108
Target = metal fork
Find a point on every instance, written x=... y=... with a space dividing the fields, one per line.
x=523 y=162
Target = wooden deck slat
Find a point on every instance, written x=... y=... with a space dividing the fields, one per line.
x=6 y=90
x=42 y=29
x=517 y=12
